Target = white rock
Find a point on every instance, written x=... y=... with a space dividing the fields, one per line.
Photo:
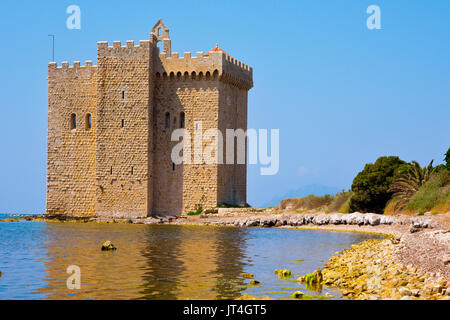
x=373 y=219
x=404 y=291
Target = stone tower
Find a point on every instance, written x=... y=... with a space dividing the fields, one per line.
x=110 y=126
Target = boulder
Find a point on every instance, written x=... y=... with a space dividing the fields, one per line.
x=446 y=259
x=248 y=275
x=420 y=223
x=404 y=291
x=297 y=295
x=254 y=282
x=386 y=220
x=336 y=219
x=415 y=292
x=211 y=211
x=350 y=218
x=321 y=219
x=413 y=229
x=107 y=246
x=373 y=219
x=359 y=220
x=283 y=273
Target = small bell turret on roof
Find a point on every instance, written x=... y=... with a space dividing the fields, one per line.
x=216 y=49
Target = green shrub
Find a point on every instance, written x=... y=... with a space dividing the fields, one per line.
x=198 y=210
x=194 y=213
x=370 y=187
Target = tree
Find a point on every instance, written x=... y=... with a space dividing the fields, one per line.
x=371 y=185
x=447 y=158
x=409 y=182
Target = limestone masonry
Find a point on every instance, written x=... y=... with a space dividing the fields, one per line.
x=109 y=130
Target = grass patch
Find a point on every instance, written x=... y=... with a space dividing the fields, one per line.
x=433 y=195
x=341 y=202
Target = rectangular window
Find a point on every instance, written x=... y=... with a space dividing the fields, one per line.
x=123 y=123
x=167 y=121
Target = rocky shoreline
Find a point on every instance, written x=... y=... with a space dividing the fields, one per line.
x=411 y=262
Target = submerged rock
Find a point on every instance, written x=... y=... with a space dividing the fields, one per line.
x=297 y=295
x=313 y=278
x=248 y=275
x=283 y=273
x=250 y=297
x=10 y=220
x=108 y=246
x=254 y=282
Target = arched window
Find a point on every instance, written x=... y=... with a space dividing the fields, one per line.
x=88 y=121
x=182 y=116
x=160 y=46
x=167 y=125
x=73 y=121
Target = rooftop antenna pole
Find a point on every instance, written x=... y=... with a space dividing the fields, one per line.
x=53 y=50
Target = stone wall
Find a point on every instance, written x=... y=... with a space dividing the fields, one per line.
x=232 y=177
x=71 y=162
x=179 y=188
x=123 y=129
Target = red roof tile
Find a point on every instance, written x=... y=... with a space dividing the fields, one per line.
x=216 y=49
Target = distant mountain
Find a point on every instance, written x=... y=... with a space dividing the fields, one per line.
x=316 y=189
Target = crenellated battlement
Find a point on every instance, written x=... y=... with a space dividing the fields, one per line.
x=202 y=65
x=75 y=70
x=117 y=50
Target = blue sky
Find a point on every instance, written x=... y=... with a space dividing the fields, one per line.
x=341 y=94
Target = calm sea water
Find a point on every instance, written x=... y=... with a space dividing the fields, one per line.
x=160 y=262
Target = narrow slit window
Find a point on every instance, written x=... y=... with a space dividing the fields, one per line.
x=73 y=121
x=123 y=123
x=182 y=116
x=167 y=124
x=132 y=170
x=123 y=95
x=110 y=171
x=173 y=166
x=88 y=121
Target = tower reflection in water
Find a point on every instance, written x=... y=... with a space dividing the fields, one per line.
x=152 y=262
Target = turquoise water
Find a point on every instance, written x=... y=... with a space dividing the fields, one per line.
x=160 y=261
